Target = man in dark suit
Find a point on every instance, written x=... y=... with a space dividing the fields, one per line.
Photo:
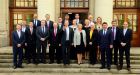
x=66 y=41
x=92 y=42
x=125 y=44
x=35 y=21
x=54 y=44
x=30 y=35
x=67 y=18
x=115 y=35
x=18 y=38
x=23 y=28
x=49 y=23
x=78 y=21
x=105 y=43
x=42 y=34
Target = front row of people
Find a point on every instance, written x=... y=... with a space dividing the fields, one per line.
x=61 y=39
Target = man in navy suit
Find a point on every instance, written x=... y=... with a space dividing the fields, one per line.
x=66 y=41
x=35 y=21
x=115 y=35
x=125 y=44
x=105 y=43
x=18 y=39
x=42 y=35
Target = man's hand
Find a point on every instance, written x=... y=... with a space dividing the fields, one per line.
x=90 y=43
x=59 y=44
x=25 y=44
x=123 y=44
x=42 y=39
x=111 y=46
x=18 y=45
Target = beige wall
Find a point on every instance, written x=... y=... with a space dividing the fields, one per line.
x=4 y=23
x=46 y=7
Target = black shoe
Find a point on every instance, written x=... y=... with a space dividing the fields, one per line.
x=20 y=66
x=128 y=69
x=51 y=62
x=58 y=61
x=108 y=68
x=102 y=67
x=119 y=67
x=14 y=67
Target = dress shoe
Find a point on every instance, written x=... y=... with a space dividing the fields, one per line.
x=108 y=68
x=14 y=67
x=102 y=67
x=128 y=69
x=119 y=67
x=20 y=66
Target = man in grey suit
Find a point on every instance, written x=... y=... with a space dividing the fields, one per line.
x=105 y=43
x=42 y=34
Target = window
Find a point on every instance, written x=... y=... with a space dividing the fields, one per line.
x=74 y=3
x=130 y=17
x=23 y=3
x=125 y=3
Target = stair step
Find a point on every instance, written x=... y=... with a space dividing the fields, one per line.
x=72 y=61
x=5 y=65
x=68 y=70
x=11 y=57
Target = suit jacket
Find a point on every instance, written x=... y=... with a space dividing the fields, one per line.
x=30 y=38
x=70 y=23
x=55 y=39
x=105 y=40
x=94 y=38
x=117 y=35
x=63 y=37
x=50 y=25
x=40 y=34
x=16 y=40
x=127 y=37
x=77 y=37
x=38 y=23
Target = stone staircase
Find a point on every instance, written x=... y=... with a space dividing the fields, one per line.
x=59 y=69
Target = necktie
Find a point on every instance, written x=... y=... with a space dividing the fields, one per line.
x=55 y=32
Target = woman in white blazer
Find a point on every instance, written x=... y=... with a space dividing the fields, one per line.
x=79 y=42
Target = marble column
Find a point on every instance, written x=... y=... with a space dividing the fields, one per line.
x=4 y=23
x=46 y=7
x=104 y=9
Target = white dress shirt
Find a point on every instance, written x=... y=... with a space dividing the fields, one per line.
x=124 y=31
x=19 y=33
x=23 y=28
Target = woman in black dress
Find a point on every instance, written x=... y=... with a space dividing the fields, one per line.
x=86 y=28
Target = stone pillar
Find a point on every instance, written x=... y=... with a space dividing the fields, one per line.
x=104 y=9
x=4 y=23
x=57 y=8
x=92 y=7
x=46 y=7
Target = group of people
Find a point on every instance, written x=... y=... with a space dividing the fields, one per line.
x=70 y=39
